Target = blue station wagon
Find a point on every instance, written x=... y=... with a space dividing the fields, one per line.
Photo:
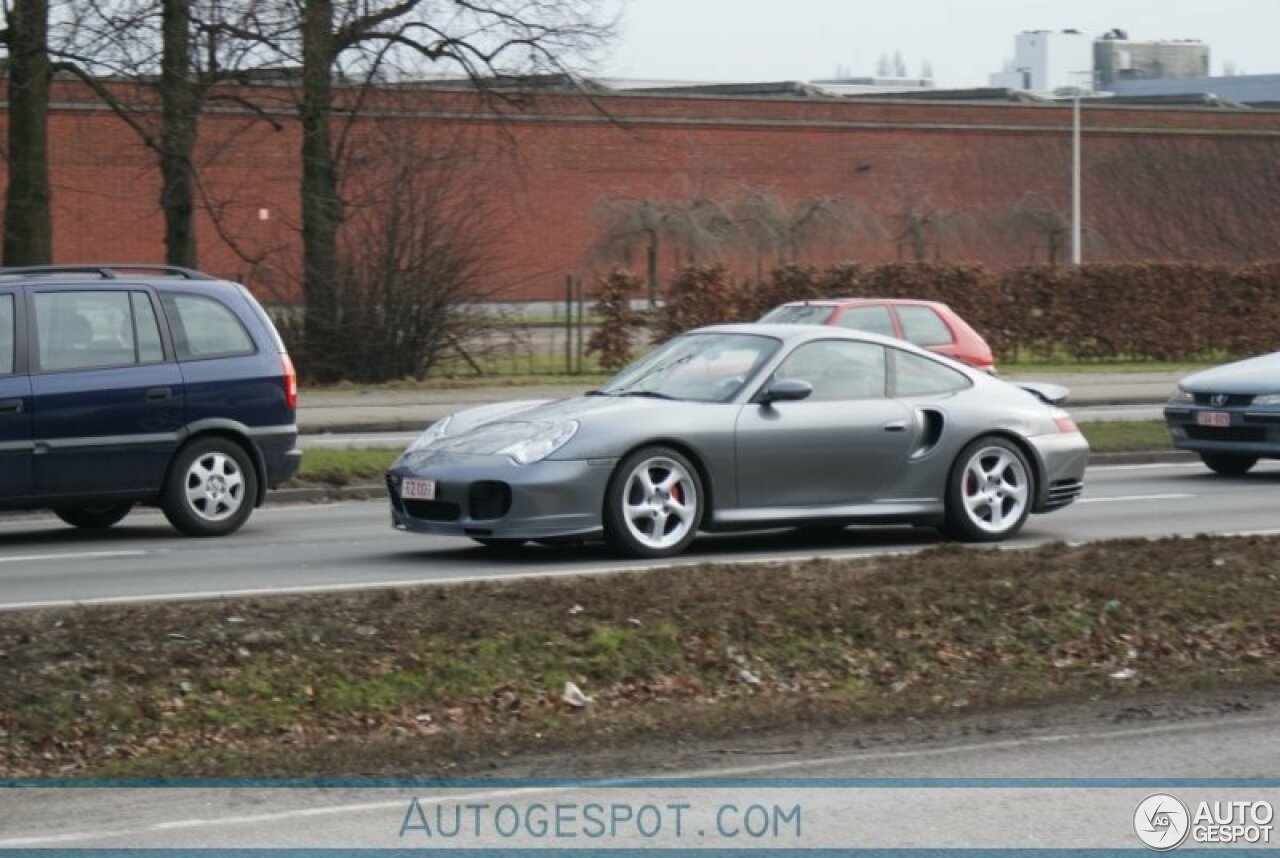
x=124 y=385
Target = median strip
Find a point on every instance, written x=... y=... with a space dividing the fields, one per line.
x=449 y=679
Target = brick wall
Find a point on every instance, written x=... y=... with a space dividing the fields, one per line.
x=539 y=169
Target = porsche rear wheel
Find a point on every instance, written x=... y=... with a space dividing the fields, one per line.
x=654 y=503
x=990 y=491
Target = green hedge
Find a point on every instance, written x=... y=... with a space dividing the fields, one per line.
x=1152 y=311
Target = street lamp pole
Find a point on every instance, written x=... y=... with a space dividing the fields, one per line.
x=1075 y=179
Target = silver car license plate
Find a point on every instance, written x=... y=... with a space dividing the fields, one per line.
x=418 y=489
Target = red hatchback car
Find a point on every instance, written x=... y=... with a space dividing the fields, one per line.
x=927 y=324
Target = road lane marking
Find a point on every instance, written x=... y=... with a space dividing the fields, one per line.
x=746 y=770
x=81 y=555
x=496 y=577
x=1121 y=498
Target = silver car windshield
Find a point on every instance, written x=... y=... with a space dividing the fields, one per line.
x=700 y=367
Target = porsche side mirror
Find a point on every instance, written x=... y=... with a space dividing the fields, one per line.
x=786 y=390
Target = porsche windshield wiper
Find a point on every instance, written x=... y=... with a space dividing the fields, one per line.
x=653 y=394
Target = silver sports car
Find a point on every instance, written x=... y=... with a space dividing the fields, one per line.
x=1230 y=414
x=748 y=426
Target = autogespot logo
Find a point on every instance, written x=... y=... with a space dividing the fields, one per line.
x=1161 y=822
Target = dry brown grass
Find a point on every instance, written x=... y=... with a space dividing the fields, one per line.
x=419 y=681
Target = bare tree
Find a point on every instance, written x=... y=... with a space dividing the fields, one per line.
x=157 y=66
x=412 y=253
x=369 y=42
x=923 y=229
x=1037 y=223
x=28 y=224
x=1204 y=200
x=780 y=232
x=689 y=229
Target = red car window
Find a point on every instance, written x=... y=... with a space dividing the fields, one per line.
x=924 y=327
x=873 y=319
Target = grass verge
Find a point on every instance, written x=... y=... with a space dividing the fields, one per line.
x=427 y=680
x=1126 y=436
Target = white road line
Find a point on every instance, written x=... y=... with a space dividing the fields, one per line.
x=748 y=770
x=497 y=577
x=354 y=440
x=1151 y=466
x=1121 y=498
x=82 y=555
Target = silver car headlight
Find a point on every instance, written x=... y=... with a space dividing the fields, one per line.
x=540 y=446
x=1267 y=399
x=434 y=433
x=1181 y=397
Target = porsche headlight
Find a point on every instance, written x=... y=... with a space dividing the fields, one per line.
x=540 y=446
x=1181 y=397
x=434 y=433
x=1267 y=399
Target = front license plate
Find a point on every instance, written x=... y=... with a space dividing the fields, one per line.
x=418 y=489
x=1221 y=419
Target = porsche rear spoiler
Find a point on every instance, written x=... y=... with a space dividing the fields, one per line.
x=1052 y=394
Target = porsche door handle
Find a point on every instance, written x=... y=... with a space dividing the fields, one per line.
x=896 y=426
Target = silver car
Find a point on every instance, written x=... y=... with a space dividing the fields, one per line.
x=1230 y=414
x=748 y=426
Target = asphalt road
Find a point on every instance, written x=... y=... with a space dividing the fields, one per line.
x=1028 y=814
x=343 y=546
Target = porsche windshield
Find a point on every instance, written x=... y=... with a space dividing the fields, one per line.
x=704 y=367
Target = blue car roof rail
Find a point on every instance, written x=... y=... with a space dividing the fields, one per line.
x=106 y=272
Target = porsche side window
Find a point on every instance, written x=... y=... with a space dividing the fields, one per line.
x=6 y=334
x=838 y=370
x=918 y=376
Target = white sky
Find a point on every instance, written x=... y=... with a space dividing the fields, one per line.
x=759 y=40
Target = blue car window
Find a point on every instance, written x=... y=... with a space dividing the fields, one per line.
x=84 y=330
x=6 y=334
x=150 y=348
x=205 y=328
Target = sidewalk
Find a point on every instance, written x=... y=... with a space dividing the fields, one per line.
x=385 y=410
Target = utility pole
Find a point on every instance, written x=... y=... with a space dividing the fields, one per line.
x=1075 y=180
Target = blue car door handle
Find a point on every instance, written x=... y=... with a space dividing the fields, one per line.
x=11 y=406
x=158 y=394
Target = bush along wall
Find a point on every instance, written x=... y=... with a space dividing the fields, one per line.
x=1150 y=311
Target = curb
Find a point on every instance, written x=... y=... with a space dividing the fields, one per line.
x=1142 y=457
x=377 y=491
x=405 y=425
x=327 y=494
